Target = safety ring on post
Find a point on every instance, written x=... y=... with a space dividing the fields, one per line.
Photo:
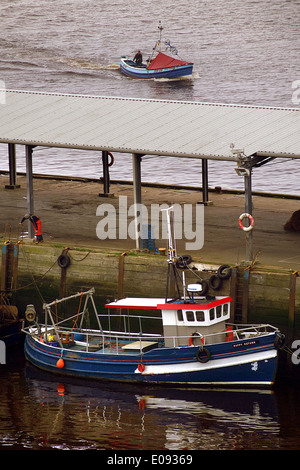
x=251 y=220
x=111 y=159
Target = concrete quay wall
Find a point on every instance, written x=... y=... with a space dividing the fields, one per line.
x=260 y=294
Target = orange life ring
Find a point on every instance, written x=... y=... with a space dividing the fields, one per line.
x=251 y=220
x=112 y=160
x=193 y=335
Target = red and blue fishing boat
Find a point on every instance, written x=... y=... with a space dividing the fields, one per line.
x=189 y=341
x=159 y=65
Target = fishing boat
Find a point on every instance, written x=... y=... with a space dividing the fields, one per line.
x=159 y=65
x=189 y=341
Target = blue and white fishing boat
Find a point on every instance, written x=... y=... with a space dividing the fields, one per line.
x=192 y=344
x=161 y=65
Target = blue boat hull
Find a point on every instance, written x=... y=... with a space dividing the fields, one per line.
x=128 y=68
x=238 y=363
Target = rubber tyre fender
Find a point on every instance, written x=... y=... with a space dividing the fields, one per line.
x=224 y=271
x=63 y=261
x=183 y=261
x=215 y=282
x=279 y=341
x=205 y=287
x=203 y=355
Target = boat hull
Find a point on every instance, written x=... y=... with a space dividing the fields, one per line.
x=11 y=333
x=239 y=363
x=127 y=68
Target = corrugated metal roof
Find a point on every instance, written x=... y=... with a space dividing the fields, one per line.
x=151 y=127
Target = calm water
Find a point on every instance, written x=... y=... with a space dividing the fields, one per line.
x=244 y=51
x=42 y=411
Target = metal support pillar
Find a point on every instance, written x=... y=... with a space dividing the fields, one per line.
x=245 y=165
x=12 y=167
x=29 y=179
x=248 y=210
x=204 y=181
x=137 y=185
x=106 y=181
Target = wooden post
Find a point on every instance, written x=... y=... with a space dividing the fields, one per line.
x=121 y=275
x=291 y=319
x=245 y=304
x=233 y=293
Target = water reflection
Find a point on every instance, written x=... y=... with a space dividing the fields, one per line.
x=42 y=411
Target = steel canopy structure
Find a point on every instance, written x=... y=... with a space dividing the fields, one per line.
x=148 y=127
x=248 y=135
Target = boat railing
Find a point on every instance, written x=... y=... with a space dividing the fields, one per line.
x=244 y=331
x=119 y=342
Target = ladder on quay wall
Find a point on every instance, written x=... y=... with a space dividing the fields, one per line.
x=239 y=288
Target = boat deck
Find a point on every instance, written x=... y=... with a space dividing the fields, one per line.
x=96 y=345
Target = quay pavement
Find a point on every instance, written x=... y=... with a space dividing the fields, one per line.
x=67 y=209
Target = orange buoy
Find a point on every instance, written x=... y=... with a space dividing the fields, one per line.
x=60 y=389
x=141 y=367
x=60 y=363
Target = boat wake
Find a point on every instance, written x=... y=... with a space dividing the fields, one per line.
x=187 y=78
x=90 y=65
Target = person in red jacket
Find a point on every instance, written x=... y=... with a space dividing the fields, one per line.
x=37 y=225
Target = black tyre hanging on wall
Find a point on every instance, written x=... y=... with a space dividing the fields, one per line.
x=183 y=261
x=224 y=271
x=63 y=261
x=204 y=287
x=215 y=282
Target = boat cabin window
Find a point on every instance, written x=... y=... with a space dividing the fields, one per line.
x=190 y=315
x=179 y=315
x=200 y=315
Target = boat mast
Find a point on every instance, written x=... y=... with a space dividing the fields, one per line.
x=160 y=33
x=172 y=269
x=157 y=46
x=171 y=236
